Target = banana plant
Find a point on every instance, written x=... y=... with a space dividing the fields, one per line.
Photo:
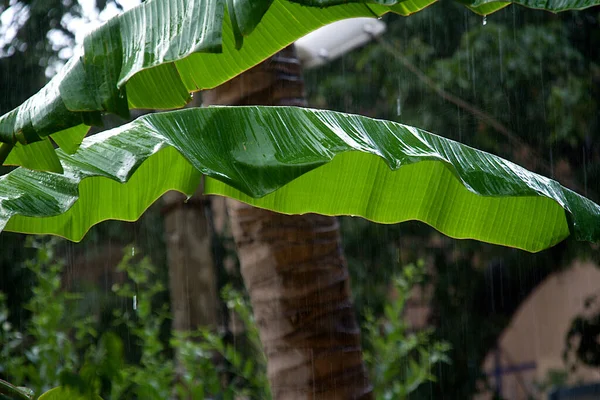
x=285 y=159
x=59 y=393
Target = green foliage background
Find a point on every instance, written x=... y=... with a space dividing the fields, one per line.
x=66 y=344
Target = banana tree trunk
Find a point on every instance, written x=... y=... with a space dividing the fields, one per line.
x=294 y=270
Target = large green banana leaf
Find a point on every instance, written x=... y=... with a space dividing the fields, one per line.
x=155 y=55
x=295 y=160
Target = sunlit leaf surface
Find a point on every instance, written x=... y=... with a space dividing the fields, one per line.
x=64 y=393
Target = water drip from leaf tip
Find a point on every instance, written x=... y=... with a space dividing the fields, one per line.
x=484 y=20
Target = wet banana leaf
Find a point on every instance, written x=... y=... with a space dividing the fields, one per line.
x=295 y=160
x=155 y=55
x=65 y=393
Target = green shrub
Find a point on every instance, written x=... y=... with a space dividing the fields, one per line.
x=58 y=347
x=400 y=361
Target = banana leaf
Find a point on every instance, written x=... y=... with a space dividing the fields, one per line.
x=295 y=160
x=66 y=393
x=155 y=55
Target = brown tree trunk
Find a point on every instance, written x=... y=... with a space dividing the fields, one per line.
x=192 y=277
x=294 y=269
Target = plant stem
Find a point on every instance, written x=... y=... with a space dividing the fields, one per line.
x=5 y=150
x=12 y=391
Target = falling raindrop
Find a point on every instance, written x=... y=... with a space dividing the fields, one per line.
x=398 y=101
x=459 y=125
x=585 y=191
x=134 y=302
x=132 y=251
x=484 y=20
x=500 y=54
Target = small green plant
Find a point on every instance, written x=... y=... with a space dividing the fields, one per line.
x=401 y=361
x=242 y=367
x=52 y=351
x=37 y=356
x=63 y=350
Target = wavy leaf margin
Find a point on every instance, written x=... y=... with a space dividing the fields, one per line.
x=297 y=160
